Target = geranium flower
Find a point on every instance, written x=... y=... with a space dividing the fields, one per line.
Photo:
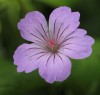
x=51 y=47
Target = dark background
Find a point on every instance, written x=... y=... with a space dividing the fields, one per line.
x=85 y=76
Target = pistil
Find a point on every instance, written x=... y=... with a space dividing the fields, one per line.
x=52 y=46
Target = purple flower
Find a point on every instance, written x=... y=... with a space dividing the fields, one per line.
x=51 y=47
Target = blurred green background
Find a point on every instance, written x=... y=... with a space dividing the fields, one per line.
x=85 y=76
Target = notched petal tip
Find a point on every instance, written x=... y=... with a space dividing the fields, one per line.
x=90 y=39
x=75 y=16
x=62 y=8
x=20 y=69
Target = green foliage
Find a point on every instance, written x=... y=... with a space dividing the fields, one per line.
x=85 y=76
x=26 y=5
x=0 y=26
x=0 y=39
x=57 y=3
x=12 y=8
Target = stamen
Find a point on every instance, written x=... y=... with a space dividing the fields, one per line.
x=52 y=46
x=51 y=43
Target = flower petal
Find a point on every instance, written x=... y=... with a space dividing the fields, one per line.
x=26 y=57
x=62 y=68
x=58 y=13
x=85 y=40
x=62 y=22
x=46 y=70
x=33 y=27
x=55 y=68
x=78 y=47
x=78 y=55
x=78 y=33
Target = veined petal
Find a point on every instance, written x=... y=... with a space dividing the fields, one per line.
x=77 y=55
x=55 y=68
x=46 y=69
x=33 y=27
x=85 y=40
x=78 y=47
x=57 y=18
x=26 y=57
x=63 y=22
x=78 y=33
x=70 y=25
x=62 y=67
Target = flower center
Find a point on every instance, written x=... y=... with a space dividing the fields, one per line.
x=52 y=46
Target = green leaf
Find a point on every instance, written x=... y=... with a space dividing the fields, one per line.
x=0 y=38
x=0 y=27
x=12 y=9
x=26 y=5
x=56 y=3
x=2 y=8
